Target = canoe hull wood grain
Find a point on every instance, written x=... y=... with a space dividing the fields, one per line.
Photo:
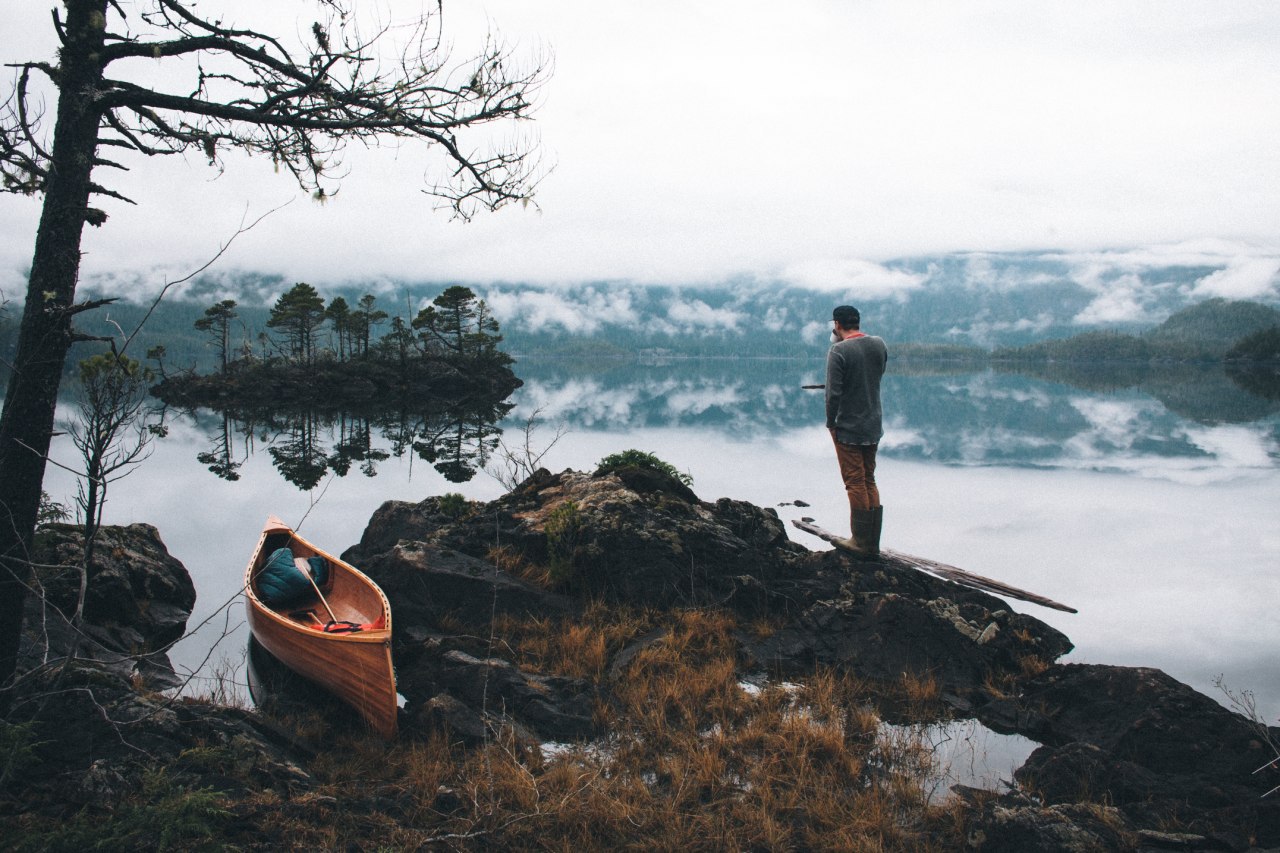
x=356 y=667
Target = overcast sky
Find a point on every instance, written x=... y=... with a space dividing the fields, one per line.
x=706 y=140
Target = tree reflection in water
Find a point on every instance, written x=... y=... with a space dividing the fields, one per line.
x=456 y=437
x=219 y=459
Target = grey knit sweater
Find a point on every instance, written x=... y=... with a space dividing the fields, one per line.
x=854 y=368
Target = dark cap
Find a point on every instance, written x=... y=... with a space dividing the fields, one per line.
x=846 y=316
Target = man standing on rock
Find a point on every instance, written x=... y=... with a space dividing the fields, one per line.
x=855 y=365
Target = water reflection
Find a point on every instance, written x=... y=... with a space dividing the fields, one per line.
x=1130 y=418
x=305 y=445
x=1205 y=393
x=1065 y=417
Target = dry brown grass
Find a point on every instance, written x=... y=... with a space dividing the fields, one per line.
x=696 y=762
x=511 y=561
x=692 y=761
x=578 y=647
x=1032 y=665
x=764 y=627
x=1002 y=686
x=920 y=689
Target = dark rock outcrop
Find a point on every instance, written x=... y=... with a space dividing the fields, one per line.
x=137 y=600
x=556 y=708
x=95 y=736
x=885 y=619
x=643 y=539
x=1015 y=823
x=427 y=583
x=1127 y=753
x=1147 y=744
x=656 y=546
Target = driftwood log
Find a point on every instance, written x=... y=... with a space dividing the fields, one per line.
x=942 y=570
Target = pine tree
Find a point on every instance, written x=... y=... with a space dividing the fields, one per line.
x=448 y=320
x=216 y=323
x=299 y=314
x=339 y=315
x=363 y=320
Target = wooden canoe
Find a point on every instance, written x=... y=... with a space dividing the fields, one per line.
x=355 y=667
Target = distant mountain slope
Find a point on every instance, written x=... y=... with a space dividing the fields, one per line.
x=1213 y=326
x=984 y=300
x=1263 y=345
x=1202 y=332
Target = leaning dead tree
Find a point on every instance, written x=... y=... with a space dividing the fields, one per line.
x=163 y=77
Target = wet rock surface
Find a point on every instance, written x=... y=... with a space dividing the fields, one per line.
x=1158 y=751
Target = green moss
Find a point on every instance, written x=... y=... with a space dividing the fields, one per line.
x=164 y=816
x=18 y=747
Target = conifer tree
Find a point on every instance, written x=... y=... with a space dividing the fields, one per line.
x=448 y=320
x=339 y=316
x=298 y=314
x=364 y=319
x=216 y=323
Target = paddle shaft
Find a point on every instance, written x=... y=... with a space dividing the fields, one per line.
x=314 y=586
x=327 y=608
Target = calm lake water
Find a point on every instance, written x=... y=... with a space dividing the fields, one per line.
x=1150 y=507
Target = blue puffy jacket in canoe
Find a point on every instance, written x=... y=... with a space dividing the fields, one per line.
x=281 y=583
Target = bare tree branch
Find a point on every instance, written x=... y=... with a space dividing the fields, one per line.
x=222 y=250
x=251 y=93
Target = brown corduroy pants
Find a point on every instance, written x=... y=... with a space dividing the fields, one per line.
x=858 y=470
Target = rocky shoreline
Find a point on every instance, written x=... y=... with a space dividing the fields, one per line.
x=1128 y=758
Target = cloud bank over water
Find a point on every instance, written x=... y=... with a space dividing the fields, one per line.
x=808 y=143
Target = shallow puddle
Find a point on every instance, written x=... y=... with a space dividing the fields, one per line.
x=963 y=752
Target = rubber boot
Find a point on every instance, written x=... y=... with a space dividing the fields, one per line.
x=866 y=531
x=865 y=540
x=873 y=540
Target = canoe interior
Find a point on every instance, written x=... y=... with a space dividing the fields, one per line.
x=350 y=597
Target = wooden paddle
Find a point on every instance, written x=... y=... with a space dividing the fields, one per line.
x=300 y=563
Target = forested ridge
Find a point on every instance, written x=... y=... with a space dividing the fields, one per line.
x=1207 y=331
x=1210 y=331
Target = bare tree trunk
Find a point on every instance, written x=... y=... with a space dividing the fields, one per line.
x=45 y=335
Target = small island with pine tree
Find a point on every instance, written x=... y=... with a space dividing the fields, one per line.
x=324 y=357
